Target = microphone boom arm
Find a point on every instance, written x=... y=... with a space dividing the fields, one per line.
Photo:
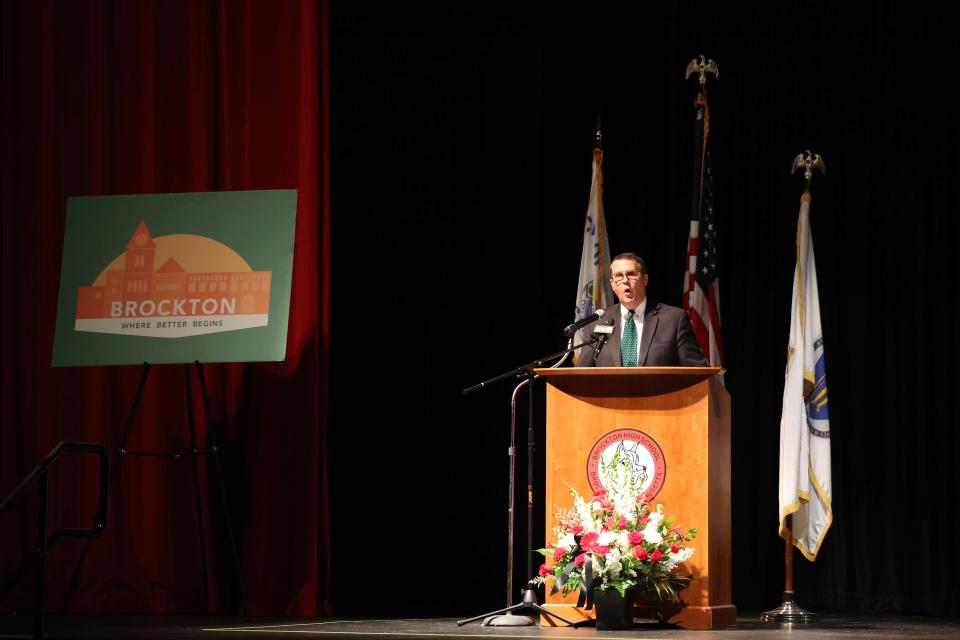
x=530 y=366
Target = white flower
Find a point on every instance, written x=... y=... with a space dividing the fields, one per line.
x=683 y=555
x=673 y=559
x=585 y=514
x=650 y=532
x=567 y=541
x=612 y=563
x=656 y=517
x=651 y=535
x=607 y=538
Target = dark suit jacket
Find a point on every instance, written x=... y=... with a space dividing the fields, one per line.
x=667 y=341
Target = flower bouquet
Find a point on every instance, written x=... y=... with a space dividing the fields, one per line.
x=615 y=540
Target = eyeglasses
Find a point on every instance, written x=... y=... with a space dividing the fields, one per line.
x=632 y=276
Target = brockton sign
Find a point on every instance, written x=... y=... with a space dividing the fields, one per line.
x=134 y=297
x=169 y=278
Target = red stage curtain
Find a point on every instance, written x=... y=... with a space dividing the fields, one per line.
x=154 y=96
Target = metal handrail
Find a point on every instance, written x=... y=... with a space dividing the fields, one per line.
x=39 y=475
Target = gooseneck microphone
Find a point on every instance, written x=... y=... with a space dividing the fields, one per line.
x=570 y=329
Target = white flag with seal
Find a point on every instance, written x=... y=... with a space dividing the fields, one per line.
x=593 y=289
x=805 y=484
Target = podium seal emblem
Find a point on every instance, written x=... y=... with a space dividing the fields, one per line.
x=636 y=448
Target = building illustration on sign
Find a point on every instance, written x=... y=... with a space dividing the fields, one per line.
x=201 y=286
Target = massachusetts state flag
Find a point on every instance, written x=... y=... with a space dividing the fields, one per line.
x=805 y=485
x=701 y=294
x=593 y=289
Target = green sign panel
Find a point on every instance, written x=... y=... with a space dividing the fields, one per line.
x=172 y=278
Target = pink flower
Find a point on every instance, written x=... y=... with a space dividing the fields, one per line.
x=580 y=559
x=558 y=553
x=577 y=528
x=640 y=553
x=544 y=570
x=622 y=522
x=601 y=549
x=674 y=548
x=656 y=555
x=610 y=524
x=588 y=539
x=635 y=537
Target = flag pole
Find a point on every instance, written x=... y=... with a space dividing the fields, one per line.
x=788 y=560
x=789 y=612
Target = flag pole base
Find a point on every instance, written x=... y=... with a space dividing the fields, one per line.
x=788 y=612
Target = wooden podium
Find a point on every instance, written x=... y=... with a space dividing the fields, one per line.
x=676 y=422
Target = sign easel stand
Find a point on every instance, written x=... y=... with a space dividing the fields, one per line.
x=195 y=452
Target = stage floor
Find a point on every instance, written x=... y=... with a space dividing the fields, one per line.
x=89 y=627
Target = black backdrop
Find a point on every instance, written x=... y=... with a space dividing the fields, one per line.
x=461 y=147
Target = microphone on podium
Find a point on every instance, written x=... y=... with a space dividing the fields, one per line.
x=570 y=329
x=605 y=328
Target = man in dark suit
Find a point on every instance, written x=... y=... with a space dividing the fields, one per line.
x=640 y=332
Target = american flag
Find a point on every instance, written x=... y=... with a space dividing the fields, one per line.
x=701 y=295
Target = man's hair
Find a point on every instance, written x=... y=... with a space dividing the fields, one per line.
x=630 y=256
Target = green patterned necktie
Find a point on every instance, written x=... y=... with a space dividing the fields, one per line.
x=628 y=344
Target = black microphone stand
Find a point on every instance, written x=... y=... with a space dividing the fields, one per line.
x=505 y=617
